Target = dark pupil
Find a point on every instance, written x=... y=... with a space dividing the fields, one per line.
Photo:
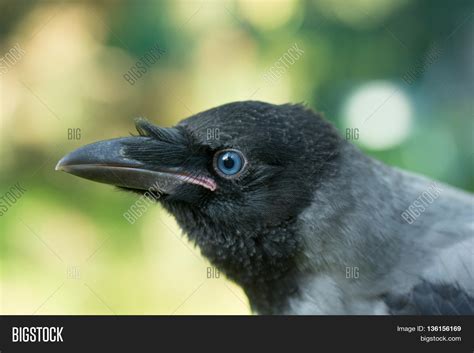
x=228 y=162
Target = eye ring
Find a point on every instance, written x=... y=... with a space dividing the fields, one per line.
x=229 y=163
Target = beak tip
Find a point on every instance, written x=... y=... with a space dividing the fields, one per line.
x=60 y=165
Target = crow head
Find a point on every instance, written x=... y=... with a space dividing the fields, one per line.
x=235 y=177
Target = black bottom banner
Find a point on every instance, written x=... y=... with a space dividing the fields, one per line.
x=245 y=333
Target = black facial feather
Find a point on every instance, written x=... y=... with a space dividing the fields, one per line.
x=170 y=149
x=165 y=135
x=247 y=227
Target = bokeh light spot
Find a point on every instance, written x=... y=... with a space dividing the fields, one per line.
x=382 y=112
x=268 y=15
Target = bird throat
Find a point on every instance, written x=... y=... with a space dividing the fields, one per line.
x=261 y=259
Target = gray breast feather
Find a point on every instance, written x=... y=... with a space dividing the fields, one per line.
x=420 y=263
x=431 y=299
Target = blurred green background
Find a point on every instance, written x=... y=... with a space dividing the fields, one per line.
x=399 y=71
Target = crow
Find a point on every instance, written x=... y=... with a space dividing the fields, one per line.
x=295 y=214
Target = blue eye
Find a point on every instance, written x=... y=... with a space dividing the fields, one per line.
x=229 y=163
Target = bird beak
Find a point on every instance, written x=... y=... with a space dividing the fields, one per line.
x=107 y=162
